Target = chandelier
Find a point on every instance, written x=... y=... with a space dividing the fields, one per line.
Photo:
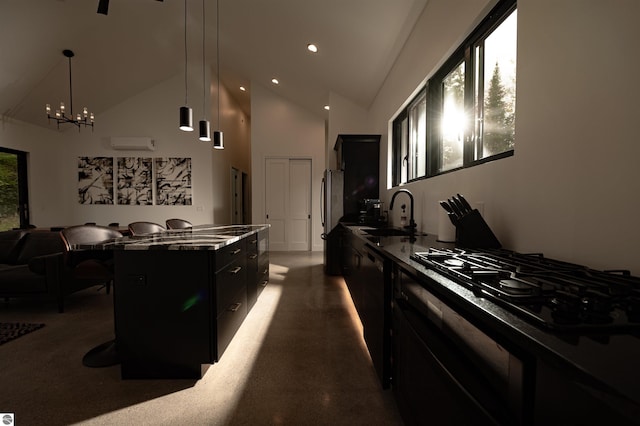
x=85 y=118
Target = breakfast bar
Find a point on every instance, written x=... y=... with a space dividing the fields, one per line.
x=181 y=295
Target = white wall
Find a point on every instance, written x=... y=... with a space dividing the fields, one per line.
x=345 y=117
x=46 y=150
x=53 y=158
x=236 y=127
x=571 y=188
x=282 y=129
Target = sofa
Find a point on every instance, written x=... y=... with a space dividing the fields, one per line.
x=34 y=263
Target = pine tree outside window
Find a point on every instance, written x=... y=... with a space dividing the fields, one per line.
x=465 y=114
x=495 y=90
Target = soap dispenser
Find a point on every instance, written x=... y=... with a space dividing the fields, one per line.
x=403 y=216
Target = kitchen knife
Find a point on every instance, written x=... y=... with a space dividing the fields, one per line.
x=446 y=206
x=454 y=207
x=450 y=213
x=465 y=203
x=458 y=207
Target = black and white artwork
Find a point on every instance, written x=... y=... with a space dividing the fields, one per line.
x=95 y=180
x=135 y=180
x=173 y=181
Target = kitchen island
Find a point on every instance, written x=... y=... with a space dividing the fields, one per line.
x=181 y=295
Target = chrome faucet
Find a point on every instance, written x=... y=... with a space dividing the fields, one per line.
x=412 y=222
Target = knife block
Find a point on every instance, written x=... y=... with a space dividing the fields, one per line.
x=473 y=232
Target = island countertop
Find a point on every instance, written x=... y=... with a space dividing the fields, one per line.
x=199 y=237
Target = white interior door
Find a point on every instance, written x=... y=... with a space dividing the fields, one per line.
x=288 y=203
x=299 y=222
x=276 y=199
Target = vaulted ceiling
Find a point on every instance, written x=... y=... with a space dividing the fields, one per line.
x=140 y=43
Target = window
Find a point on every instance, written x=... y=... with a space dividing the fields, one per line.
x=417 y=135
x=465 y=115
x=495 y=90
x=14 y=212
x=452 y=124
x=410 y=151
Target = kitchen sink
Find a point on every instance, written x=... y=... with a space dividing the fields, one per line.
x=390 y=232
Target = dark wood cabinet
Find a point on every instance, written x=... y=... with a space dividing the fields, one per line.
x=369 y=283
x=230 y=283
x=457 y=358
x=422 y=387
x=252 y=270
x=352 y=267
x=164 y=321
x=562 y=398
x=262 y=278
x=376 y=311
x=359 y=157
x=446 y=369
x=257 y=265
x=178 y=309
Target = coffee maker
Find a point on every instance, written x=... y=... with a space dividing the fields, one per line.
x=371 y=212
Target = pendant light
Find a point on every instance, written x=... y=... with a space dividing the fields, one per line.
x=218 y=141
x=85 y=118
x=186 y=113
x=204 y=125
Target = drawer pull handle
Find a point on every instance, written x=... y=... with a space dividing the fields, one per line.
x=253 y=241
x=236 y=251
x=235 y=270
x=253 y=256
x=265 y=271
x=264 y=283
x=234 y=307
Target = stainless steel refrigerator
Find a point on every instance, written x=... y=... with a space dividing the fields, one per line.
x=331 y=212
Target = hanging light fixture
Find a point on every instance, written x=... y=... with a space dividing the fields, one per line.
x=218 y=140
x=81 y=119
x=205 y=126
x=103 y=6
x=186 y=113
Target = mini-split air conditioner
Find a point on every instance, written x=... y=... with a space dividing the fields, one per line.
x=133 y=144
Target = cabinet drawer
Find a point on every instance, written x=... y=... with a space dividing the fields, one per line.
x=252 y=244
x=228 y=282
x=230 y=253
x=263 y=241
x=263 y=273
x=252 y=260
x=229 y=320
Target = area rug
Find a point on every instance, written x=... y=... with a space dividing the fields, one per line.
x=12 y=330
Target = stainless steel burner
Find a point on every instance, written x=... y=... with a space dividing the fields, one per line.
x=555 y=294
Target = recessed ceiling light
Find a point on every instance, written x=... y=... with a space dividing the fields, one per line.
x=327 y=107
x=242 y=88
x=275 y=81
x=312 y=48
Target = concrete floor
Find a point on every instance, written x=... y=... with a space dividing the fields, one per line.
x=298 y=359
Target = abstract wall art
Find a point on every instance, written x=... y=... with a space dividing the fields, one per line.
x=95 y=180
x=134 y=178
x=173 y=181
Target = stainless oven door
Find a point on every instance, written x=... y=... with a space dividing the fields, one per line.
x=445 y=369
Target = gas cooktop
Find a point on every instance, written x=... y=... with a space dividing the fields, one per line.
x=553 y=294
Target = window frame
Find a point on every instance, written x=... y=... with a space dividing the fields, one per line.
x=472 y=149
x=403 y=142
x=23 y=186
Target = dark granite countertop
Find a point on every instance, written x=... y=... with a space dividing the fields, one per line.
x=200 y=237
x=608 y=364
